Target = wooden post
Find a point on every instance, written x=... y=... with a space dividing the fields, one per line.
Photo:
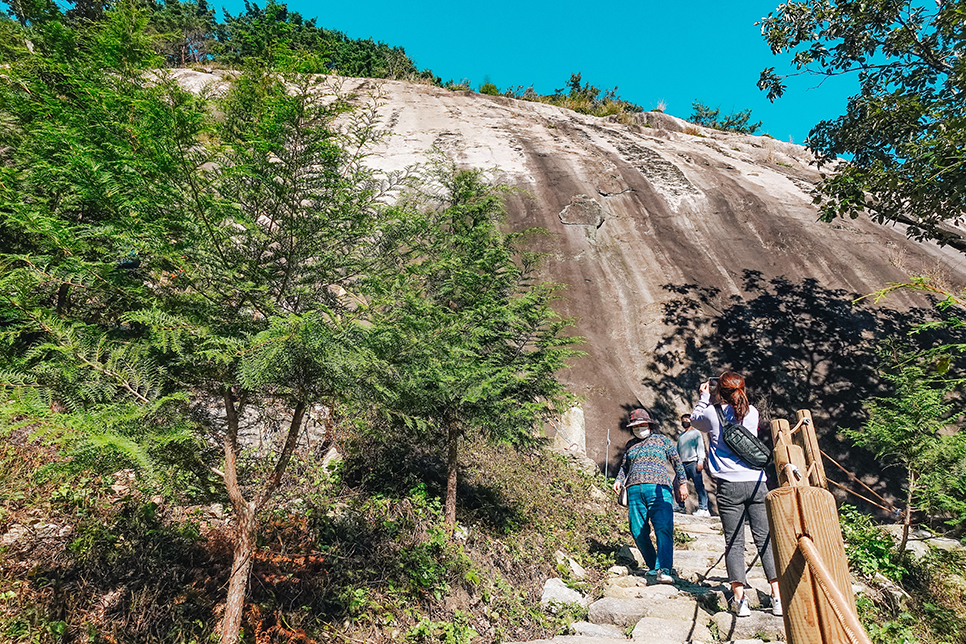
x=790 y=455
x=779 y=432
x=809 y=616
x=786 y=453
x=813 y=453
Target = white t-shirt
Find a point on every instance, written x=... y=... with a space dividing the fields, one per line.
x=722 y=462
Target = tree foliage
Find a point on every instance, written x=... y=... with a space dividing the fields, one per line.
x=153 y=254
x=739 y=121
x=475 y=341
x=171 y=264
x=186 y=32
x=907 y=429
x=904 y=133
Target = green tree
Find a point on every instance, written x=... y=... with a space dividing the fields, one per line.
x=739 y=121
x=186 y=29
x=475 y=343
x=282 y=38
x=153 y=254
x=33 y=12
x=904 y=133
x=907 y=429
x=489 y=89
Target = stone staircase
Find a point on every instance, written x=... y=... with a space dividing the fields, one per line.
x=694 y=609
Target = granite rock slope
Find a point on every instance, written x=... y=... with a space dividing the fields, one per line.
x=661 y=229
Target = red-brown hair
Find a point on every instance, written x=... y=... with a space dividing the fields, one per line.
x=731 y=388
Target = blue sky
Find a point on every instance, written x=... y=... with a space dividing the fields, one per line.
x=652 y=51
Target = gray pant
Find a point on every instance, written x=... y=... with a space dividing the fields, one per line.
x=739 y=502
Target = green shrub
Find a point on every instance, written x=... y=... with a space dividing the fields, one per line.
x=458 y=631
x=489 y=89
x=869 y=549
x=883 y=626
x=739 y=122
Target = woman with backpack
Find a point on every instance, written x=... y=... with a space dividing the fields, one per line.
x=741 y=487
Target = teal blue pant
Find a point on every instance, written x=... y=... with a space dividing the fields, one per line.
x=650 y=505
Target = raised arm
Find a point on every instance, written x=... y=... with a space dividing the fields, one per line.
x=700 y=418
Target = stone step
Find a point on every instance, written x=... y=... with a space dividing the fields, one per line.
x=583 y=639
x=691 y=610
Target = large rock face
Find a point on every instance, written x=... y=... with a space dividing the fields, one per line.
x=684 y=250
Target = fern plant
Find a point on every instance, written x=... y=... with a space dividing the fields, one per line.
x=154 y=256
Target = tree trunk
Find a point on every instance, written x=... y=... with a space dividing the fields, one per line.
x=452 y=439
x=240 y=568
x=246 y=512
x=244 y=529
x=907 y=520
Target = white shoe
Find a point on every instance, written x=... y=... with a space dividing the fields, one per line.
x=702 y=513
x=776 y=606
x=664 y=578
x=742 y=609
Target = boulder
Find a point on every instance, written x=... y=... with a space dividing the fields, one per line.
x=571 y=434
x=659 y=629
x=555 y=591
x=586 y=629
x=618 y=612
x=758 y=624
x=634 y=587
x=331 y=459
x=575 y=569
x=630 y=557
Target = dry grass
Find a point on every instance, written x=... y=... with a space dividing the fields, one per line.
x=692 y=130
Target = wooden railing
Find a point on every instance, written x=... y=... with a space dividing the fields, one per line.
x=813 y=571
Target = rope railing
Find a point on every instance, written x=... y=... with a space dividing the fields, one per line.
x=888 y=507
x=838 y=602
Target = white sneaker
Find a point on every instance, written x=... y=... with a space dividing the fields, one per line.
x=664 y=578
x=776 y=606
x=742 y=609
x=702 y=513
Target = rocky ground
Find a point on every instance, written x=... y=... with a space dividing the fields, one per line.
x=694 y=609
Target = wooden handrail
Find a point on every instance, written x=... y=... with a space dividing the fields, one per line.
x=850 y=622
x=807 y=541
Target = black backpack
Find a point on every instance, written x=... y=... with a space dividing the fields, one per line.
x=743 y=443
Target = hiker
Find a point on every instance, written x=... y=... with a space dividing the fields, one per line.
x=644 y=472
x=692 y=451
x=740 y=487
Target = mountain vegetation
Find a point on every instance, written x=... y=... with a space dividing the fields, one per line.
x=188 y=282
x=174 y=264
x=898 y=156
x=187 y=33
x=902 y=135
x=739 y=122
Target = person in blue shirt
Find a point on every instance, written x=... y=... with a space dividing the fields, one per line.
x=692 y=452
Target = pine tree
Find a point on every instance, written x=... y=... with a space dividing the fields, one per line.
x=157 y=251
x=475 y=344
x=906 y=429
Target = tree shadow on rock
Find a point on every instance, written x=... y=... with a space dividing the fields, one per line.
x=799 y=345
